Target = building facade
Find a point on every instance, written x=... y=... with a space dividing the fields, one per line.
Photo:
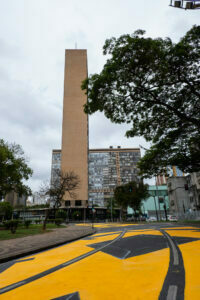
x=107 y=169
x=74 y=153
x=172 y=171
x=178 y=195
x=99 y=170
x=15 y=200
x=193 y=181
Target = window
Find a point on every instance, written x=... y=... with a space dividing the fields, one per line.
x=78 y=203
x=67 y=203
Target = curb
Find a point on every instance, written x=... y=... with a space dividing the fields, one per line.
x=35 y=251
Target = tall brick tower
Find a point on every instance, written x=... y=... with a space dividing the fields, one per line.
x=74 y=153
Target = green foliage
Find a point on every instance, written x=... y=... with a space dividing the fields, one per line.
x=131 y=194
x=27 y=223
x=14 y=170
x=12 y=225
x=58 y=221
x=61 y=214
x=153 y=84
x=38 y=206
x=76 y=215
x=37 y=221
x=111 y=206
x=6 y=210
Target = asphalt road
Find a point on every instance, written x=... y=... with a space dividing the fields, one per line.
x=153 y=261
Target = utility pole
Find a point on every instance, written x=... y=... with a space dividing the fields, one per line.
x=155 y=207
x=155 y=193
x=111 y=211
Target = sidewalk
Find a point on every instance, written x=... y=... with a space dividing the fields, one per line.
x=16 y=248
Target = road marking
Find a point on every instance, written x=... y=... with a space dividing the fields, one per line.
x=174 y=250
x=127 y=253
x=172 y=292
x=13 y=286
x=174 y=284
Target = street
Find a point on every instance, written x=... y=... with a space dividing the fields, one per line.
x=120 y=261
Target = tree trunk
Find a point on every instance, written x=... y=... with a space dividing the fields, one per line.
x=45 y=219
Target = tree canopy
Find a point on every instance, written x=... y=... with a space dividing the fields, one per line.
x=13 y=170
x=6 y=210
x=153 y=84
x=131 y=194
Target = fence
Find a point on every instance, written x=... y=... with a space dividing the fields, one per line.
x=193 y=215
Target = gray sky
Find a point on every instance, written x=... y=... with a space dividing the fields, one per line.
x=33 y=37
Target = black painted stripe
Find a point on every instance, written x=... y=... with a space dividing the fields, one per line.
x=174 y=284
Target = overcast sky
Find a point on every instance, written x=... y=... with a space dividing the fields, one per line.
x=33 y=37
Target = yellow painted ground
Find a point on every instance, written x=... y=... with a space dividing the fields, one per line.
x=175 y=228
x=147 y=232
x=106 y=233
x=191 y=258
x=48 y=259
x=108 y=225
x=186 y=233
x=102 y=276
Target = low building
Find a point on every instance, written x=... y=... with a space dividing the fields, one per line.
x=193 y=181
x=178 y=195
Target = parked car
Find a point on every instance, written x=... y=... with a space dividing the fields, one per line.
x=152 y=219
x=172 y=218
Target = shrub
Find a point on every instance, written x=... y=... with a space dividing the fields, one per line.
x=27 y=223
x=61 y=214
x=58 y=221
x=50 y=221
x=37 y=221
x=12 y=225
x=76 y=215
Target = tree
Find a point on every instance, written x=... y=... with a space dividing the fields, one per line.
x=6 y=210
x=154 y=84
x=14 y=170
x=131 y=194
x=63 y=182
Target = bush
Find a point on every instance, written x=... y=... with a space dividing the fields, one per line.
x=61 y=214
x=76 y=215
x=27 y=223
x=50 y=221
x=58 y=221
x=37 y=221
x=12 y=225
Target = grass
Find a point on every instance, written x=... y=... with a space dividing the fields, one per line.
x=22 y=231
x=190 y=222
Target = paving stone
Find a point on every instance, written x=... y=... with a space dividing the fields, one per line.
x=10 y=249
